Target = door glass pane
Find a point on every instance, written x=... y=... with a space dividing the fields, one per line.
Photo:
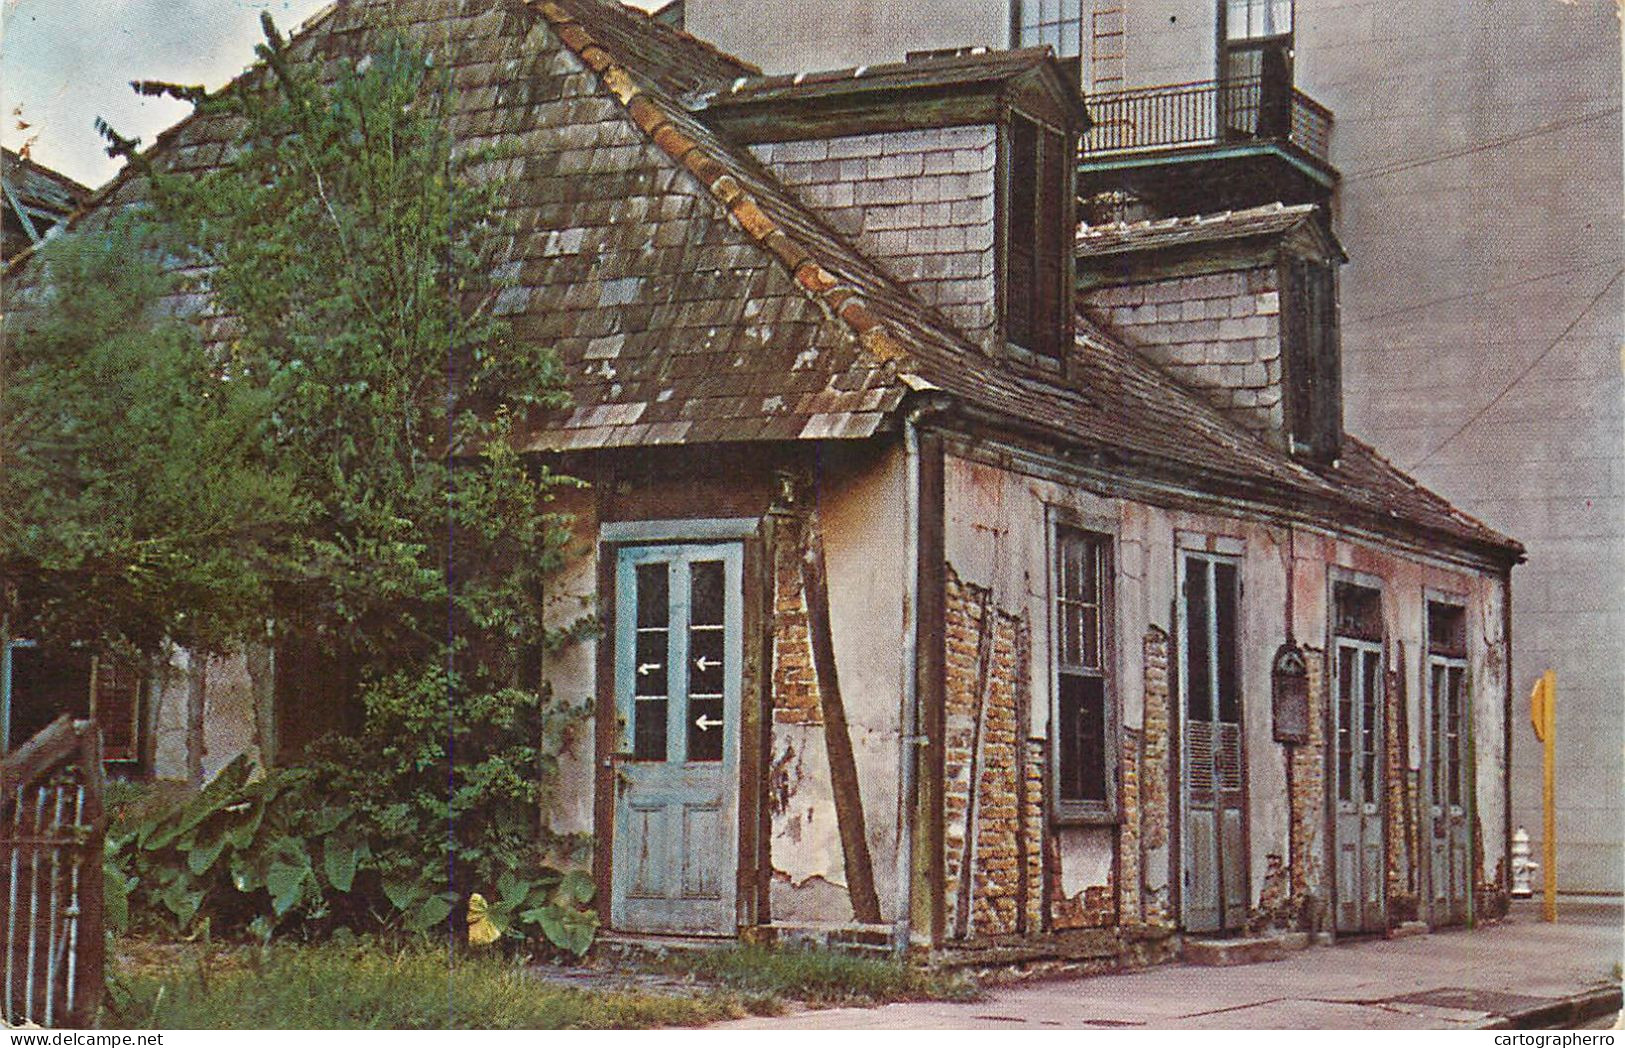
x=1199 y=701
x=649 y=671
x=1224 y=616
x=705 y=661
x=1370 y=697
x=1439 y=741
x=1345 y=724
x=1453 y=753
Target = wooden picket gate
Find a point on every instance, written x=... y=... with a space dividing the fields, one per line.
x=52 y=827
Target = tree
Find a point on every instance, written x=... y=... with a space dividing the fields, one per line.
x=135 y=505
x=346 y=245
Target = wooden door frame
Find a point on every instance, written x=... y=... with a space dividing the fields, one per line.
x=1214 y=549
x=613 y=536
x=1335 y=575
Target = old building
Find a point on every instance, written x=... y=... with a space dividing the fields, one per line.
x=964 y=582
x=36 y=201
x=1475 y=167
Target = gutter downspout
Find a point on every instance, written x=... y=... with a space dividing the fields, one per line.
x=908 y=714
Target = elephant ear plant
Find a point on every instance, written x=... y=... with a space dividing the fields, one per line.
x=261 y=855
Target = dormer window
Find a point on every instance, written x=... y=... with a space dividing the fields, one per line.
x=1037 y=250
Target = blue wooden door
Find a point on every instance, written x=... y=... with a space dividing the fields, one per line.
x=677 y=684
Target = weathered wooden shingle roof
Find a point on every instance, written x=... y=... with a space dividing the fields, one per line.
x=694 y=299
x=956 y=72
x=36 y=198
x=1267 y=220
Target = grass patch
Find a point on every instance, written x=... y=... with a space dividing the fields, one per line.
x=368 y=987
x=819 y=977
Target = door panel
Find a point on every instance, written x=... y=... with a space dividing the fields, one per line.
x=1212 y=762
x=1447 y=810
x=677 y=688
x=1358 y=777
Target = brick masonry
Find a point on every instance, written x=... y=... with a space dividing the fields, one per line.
x=1219 y=334
x=1308 y=804
x=1152 y=772
x=920 y=203
x=987 y=750
x=795 y=688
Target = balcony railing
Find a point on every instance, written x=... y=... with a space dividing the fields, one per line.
x=1207 y=113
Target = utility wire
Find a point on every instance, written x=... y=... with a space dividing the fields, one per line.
x=1522 y=374
x=1366 y=318
x=1533 y=132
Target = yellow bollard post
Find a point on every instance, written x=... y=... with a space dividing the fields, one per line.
x=1543 y=717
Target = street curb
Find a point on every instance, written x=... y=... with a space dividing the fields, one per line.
x=1563 y=1013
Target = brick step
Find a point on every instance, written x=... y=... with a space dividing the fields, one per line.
x=1221 y=953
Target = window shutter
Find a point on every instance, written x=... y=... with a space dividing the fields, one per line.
x=1022 y=225
x=116 y=707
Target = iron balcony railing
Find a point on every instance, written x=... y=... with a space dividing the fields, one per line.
x=1207 y=112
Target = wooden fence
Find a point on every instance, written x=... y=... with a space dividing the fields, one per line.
x=52 y=827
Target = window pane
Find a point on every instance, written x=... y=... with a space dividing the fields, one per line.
x=1229 y=683
x=1345 y=724
x=649 y=729
x=653 y=607
x=1370 y=697
x=1082 y=738
x=1453 y=754
x=705 y=661
x=649 y=670
x=1199 y=701
x=1438 y=744
x=1090 y=628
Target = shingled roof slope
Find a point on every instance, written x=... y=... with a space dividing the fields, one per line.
x=1275 y=219
x=694 y=299
x=938 y=71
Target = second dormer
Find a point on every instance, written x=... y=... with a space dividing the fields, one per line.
x=955 y=172
x=1239 y=306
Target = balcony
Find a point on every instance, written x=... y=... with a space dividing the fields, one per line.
x=1206 y=146
x=1207 y=113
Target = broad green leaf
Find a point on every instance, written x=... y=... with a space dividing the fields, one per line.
x=427 y=913
x=339 y=857
x=578 y=885
x=286 y=884
x=403 y=890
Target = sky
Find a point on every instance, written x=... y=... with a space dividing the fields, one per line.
x=63 y=63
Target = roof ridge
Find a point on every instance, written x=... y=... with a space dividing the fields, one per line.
x=838 y=299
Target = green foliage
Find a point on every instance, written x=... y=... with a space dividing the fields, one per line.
x=819 y=976
x=348 y=249
x=261 y=855
x=360 y=986
x=136 y=503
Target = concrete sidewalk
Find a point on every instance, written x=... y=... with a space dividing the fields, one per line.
x=1520 y=973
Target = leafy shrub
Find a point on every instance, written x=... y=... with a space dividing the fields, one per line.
x=279 y=852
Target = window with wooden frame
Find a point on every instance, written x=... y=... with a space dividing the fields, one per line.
x=1084 y=714
x=39 y=683
x=1037 y=238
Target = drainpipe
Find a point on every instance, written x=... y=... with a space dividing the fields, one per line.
x=908 y=715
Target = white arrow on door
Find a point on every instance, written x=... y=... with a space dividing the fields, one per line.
x=703 y=663
x=646 y=668
x=705 y=723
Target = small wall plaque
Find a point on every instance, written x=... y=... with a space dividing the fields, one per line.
x=1289 y=683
